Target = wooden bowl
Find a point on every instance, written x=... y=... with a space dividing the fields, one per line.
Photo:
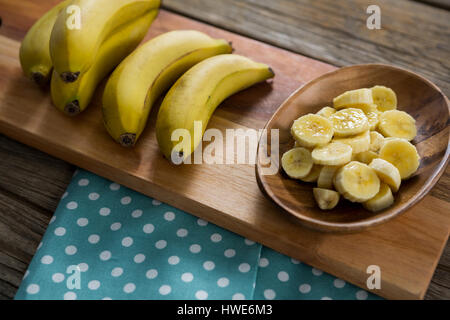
x=419 y=97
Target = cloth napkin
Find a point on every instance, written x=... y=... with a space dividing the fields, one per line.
x=106 y=241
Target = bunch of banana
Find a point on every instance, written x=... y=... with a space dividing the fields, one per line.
x=149 y=71
x=339 y=149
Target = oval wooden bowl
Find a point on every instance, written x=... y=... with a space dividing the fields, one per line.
x=416 y=95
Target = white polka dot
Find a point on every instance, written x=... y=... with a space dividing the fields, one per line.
x=269 y=294
x=60 y=231
x=238 y=296
x=116 y=226
x=182 y=233
x=83 y=267
x=70 y=295
x=209 y=265
x=136 y=213
x=156 y=202
x=263 y=262
x=223 y=282
x=33 y=288
x=149 y=228
x=127 y=241
x=187 y=277
x=152 y=274
x=244 y=267
x=361 y=295
x=65 y=194
x=39 y=246
x=249 y=242
x=117 y=272
x=71 y=250
x=326 y=298
x=316 y=272
x=129 y=288
x=47 y=259
x=139 y=258
x=94 y=284
x=106 y=298
x=161 y=244
x=114 y=186
x=195 y=248
x=202 y=222
x=169 y=216
x=58 y=277
x=93 y=196
x=83 y=182
x=94 y=238
x=105 y=211
x=338 y=283
x=173 y=260
x=26 y=274
x=216 y=237
x=201 y=295
x=52 y=219
x=125 y=200
x=230 y=253
x=294 y=261
x=283 y=276
x=82 y=222
x=165 y=290
x=72 y=205
x=304 y=288
x=105 y=255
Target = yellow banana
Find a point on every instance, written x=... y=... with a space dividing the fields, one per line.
x=34 y=51
x=72 y=98
x=196 y=95
x=149 y=71
x=80 y=31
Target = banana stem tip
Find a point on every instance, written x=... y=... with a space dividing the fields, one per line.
x=69 y=76
x=127 y=139
x=72 y=108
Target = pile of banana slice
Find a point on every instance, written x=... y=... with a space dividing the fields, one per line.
x=360 y=149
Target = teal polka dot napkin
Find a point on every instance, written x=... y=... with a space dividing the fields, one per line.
x=108 y=242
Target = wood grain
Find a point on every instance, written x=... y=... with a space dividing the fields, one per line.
x=26 y=114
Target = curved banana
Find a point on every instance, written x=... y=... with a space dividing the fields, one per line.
x=72 y=98
x=196 y=95
x=34 y=51
x=82 y=28
x=149 y=71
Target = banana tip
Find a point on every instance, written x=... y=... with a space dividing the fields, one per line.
x=69 y=76
x=127 y=139
x=72 y=108
x=271 y=71
x=38 y=78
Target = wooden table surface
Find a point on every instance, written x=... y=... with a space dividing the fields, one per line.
x=414 y=34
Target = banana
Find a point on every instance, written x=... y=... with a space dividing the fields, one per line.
x=397 y=124
x=313 y=175
x=326 y=176
x=385 y=98
x=195 y=96
x=333 y=154
x=359 y=142
x=402 y=154
x=149 y=71
x=359 y=97
x=326 y=112
x=348 y=122
x=326 y=199
x=373 y=117
x=376 y=141
x=357 y=182
x=72 y=98
x=34 y=50
x=297 y=162
x=387 y=173
x=365 y=157
x=384 y=199
x=73 y=48
x=312 y=130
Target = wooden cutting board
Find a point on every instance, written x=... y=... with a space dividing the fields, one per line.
x=406 y=249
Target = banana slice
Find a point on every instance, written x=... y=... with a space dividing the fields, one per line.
x=357 y=182
x=313 y=174
x=326 y=112
x=374 y=118
x=348 y=122
x=326 y=199
x=382 y=200
x=365 y=157
x=376 y=141
x=297 y=162
x=359 y=142
x=333 y=154
x=385 y=98
x=312 y=130
x=387 y=173
x=326 y=176
x=402 y=154
x=353 y=98
x=397 y=124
